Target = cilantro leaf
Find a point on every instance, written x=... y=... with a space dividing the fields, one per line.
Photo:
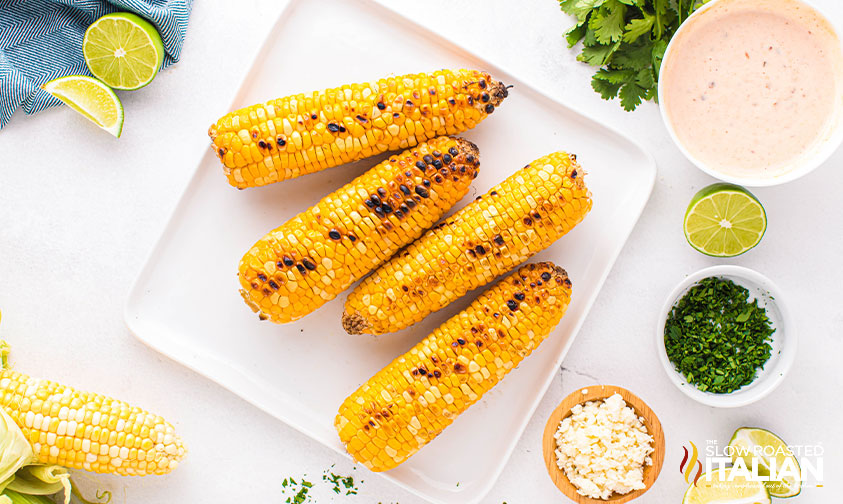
x=579 y=8
x=657 y=55
x=590 y=39
x=607 y=90
x=638 y=27
x=645 y=79
x=597 y=55
x=575 y=34
x=631 y=95
x=634 y=56
x=614 y=76
x=608 y=23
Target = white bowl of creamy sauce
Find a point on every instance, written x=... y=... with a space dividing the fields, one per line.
x=752 y=91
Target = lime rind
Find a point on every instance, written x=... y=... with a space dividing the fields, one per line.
x=773 y=487
x=140 y=44
x=106 y=102
x=710 y=206
x=705 y=492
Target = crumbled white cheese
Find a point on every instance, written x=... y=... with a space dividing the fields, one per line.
x=603 y=448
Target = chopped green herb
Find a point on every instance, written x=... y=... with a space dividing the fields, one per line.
x=627 y=39
x=340 y=482
x=298 y=492
x=716 y=337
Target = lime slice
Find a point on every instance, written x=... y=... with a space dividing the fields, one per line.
x=91 y=98
x=123 y=50
x=722 y=487
x=750 y=441
x=724 y=220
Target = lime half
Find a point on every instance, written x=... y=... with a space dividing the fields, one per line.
x=724 y=220
x=722 y=487
x=91 y=98
x=749 y=442
x=123 y=50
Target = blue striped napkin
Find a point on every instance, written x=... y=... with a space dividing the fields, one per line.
x=41 y=40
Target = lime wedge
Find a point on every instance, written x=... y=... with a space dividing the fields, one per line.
x=722 y=487
x=750 y=441
x=724 y=220
x=91 y=98
x=123 y=50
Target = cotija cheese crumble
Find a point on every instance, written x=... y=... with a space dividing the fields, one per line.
x=603 y=447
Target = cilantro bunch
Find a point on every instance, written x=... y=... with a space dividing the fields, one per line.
x=627 y=40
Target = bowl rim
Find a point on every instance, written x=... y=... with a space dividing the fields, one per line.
x=803 y=167
x=597 y=392
x=786 y=330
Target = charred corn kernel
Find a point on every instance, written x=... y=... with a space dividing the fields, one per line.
x=269 y=142
x=81 y=430
x=409 y=402
x=319 y=253
x=517 y=218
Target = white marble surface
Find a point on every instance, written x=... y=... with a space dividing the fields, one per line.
x=79 y=212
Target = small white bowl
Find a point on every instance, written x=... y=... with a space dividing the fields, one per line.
x=827 y=146
x=783 y=339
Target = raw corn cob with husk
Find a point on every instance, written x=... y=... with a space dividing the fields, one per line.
x=82 y=430
x=409 y=402
x=319 y=253
x=308 y=132
x=519 y=217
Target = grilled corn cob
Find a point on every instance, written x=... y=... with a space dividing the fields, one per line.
x=516 y=219
x=319 y=253
x=305 y=133
x=88 y=431
x=409 y=402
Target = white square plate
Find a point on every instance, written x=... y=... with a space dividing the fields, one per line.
x=185 y=303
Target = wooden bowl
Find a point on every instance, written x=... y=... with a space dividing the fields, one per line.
x=596 y=393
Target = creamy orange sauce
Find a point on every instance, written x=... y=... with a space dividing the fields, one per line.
x=752 y=87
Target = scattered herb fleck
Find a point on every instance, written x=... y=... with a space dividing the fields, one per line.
x=340 y=483
x=716 y=337
x=296 y=492
x=627 y=40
